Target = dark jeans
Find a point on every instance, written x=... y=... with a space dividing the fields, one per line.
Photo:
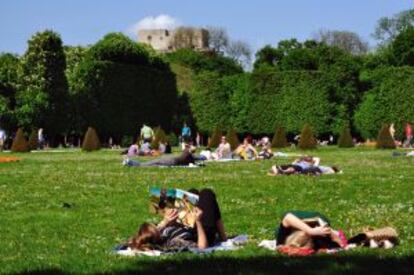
x=211 y=214
x=170 y=161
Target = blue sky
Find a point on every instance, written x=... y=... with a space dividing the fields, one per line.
x=258 y=22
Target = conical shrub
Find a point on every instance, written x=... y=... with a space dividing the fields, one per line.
x=159 y=136
x=279 y=139
x=384 y=139
x=20 y=143
x=33 y=140
x=215 y=138
x=345 y=138
x=91 y=141
x=232 y=138
x=307 y=139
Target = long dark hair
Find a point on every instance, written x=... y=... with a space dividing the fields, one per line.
x=146 y=238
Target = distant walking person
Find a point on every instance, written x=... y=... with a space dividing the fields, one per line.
x=146 y=133
x=2 y=139
x=408 y=135
x=392 y=130
x=40 y=138
x=186 y=133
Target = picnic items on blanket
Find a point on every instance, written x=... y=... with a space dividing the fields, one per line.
x=229 y=245
x=386 y=237
x=8 y=159
x=162 y=199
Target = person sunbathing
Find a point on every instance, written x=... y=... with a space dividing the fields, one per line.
x=184 y=159
x=298 y=166
x=171 y=235
x=306 y=165
x=306 y=229
x=246 y=150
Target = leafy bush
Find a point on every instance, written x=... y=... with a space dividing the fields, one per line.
x=199 y=62
x=172 y=139
x=215 y=137
x=209 y=101
x=117 y=47
x=345 y=138
x=289 y=98
x=33 y=140
x=279 y=139
x=389 y=100
x=384 y=139
x=159 y=137
x=42 y=97
x=232 y=138
x=20 y=143
x=91 y=141
x=126 y=141
x=110 y=95
x=307 y=140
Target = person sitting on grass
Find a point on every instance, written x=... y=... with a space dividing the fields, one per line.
x=246 y=150
x=223 y=151
x=184 y=159
x=305 y=229
x=133 y=150
x=145 y=149
x=266 y=152
x=170 y=235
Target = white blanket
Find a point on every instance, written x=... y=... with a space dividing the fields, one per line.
x=231 y=244
x=268 y=244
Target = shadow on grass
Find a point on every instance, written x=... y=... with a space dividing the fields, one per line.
x=328 y=264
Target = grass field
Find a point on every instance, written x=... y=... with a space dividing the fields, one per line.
x=64 y=212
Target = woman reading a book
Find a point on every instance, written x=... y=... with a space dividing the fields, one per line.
x=171 y=235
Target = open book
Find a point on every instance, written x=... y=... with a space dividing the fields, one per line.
x=162 y=199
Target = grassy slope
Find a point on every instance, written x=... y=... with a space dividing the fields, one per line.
x=108 y=201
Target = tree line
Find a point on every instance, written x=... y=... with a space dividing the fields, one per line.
x=116 y=85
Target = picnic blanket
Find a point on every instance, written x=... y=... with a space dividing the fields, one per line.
x=227 y=160
x=229 y=245
x=191 y=165
x=8 y=159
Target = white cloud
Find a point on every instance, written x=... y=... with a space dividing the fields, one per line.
x=162 y=21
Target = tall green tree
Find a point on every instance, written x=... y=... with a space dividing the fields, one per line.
x=119 y=86
x=403 y=48
x=8 y=85
x=42 y=97
x=389 y=27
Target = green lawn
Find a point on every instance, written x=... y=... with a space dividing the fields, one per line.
x=64 y=212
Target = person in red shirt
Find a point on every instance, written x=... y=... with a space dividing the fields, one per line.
x=408 y=135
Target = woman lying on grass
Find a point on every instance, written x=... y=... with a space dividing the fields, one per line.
x=184 y=159
x=310 y=230
x=305 y=165
x=170 y=235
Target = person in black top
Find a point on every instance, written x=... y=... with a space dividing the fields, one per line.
x=170 y=235
x=184 y=159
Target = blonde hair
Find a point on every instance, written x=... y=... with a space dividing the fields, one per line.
x=299 y=239
x=146 y=238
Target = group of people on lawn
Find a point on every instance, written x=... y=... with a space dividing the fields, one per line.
x=307 y=165
x=297 y=229
x=298 y=232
